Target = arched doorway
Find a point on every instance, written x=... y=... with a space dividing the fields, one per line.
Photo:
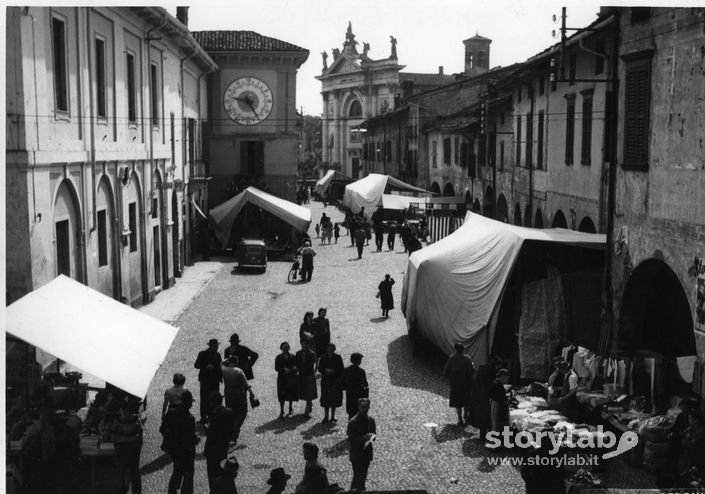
x=559 y=220
x=517 y=214
x=502 y=209
x=538 y=219
x=448 y=190
x=587 y=226
x=135 y=226
x=488 y=203
x=476 y=208
x=107 y=247
x=656 y=320
x=527 y=216
x=435 y=188
x=67 y=228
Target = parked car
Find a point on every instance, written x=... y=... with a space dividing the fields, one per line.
x=252 y=253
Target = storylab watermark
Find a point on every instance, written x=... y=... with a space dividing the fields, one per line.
x=553 y=442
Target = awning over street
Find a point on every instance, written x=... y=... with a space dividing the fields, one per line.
x=367 y=192
x=224 y=214
x=453 y=288
x=92 y=332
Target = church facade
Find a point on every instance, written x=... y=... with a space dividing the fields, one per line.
x=356 y=87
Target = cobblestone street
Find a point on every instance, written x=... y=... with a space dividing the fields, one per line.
x=406 y=392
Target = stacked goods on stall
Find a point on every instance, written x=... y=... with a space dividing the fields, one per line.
x=656 y=447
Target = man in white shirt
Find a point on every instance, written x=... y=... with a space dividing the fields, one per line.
x=235 y=390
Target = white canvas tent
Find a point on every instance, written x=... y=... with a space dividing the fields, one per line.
x=224 y=214
x=399 y=202
x=324 y=182
x=453 y=289
x=367 y=192
x=93 y=332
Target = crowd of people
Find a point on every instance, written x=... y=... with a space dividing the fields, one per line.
x=222 y=414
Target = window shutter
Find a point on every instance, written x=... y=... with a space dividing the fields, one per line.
x=636 y=116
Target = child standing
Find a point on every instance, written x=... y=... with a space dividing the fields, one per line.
x=336 y=232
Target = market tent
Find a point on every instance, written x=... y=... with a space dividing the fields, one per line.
x=324 y=182
x=224 y=214
x=453 y=289
x=367 y=192
x=93 y=332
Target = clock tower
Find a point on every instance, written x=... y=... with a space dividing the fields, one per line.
x=252 y=113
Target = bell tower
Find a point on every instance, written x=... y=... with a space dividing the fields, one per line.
x=477 y=55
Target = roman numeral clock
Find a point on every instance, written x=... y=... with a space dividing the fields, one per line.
x=248 y=101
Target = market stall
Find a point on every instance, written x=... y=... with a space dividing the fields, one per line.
x=54 y=420
x=332 y=185
x=454 y=289
x=259 y=208
x=368 y=192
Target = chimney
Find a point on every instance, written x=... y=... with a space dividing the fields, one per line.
x=182 y=15
x=440 y=70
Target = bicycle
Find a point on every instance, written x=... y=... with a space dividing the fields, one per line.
x=294 y=272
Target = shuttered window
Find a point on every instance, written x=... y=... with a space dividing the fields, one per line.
x=529 y=139
x=569 y=128
x=586 y=142
x=446 y=151
x=636 y=114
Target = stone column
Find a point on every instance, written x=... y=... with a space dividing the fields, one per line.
x=325 y=138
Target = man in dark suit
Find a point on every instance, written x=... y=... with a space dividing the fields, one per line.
x=362 y=432
x=180 y=439
x=220 y=432
x=209 y=375
x=246 y=357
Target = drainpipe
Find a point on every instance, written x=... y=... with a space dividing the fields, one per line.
x=36 y=217
x=531 y=158
x=117 y=232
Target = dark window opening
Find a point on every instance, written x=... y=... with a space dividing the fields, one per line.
x=446 y=151
x=132 y=213
x=154 y=95
x=155 y=207
x=586 y=144
x=501 y=155
x=102 y=238
x=58 y=31
x=518 y=143
x=355 y=109
x=492 y=153
x=569 y=129
x=539 y=143
x=101 y=107
x=529 y=140
x=131 y=95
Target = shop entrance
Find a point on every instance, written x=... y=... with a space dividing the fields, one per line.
x=655 y=318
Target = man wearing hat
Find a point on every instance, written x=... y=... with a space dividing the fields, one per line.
x=277 y=479
x=246 y=357
x=225 y=483
x=208 y=365
x=355 y=384
x=180 y=439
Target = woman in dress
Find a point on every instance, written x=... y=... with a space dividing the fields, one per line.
x=331 y=368
x=287 y=378
x=306 y=330
x=458 y=371
x=321 y=328
x=306 y=363
x=385 y=294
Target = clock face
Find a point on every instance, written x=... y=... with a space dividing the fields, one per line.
x=248 y=100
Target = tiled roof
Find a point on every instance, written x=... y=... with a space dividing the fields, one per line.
x=212 y=41
x=426 y=79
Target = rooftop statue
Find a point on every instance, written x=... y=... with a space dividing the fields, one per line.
x=393 y=41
